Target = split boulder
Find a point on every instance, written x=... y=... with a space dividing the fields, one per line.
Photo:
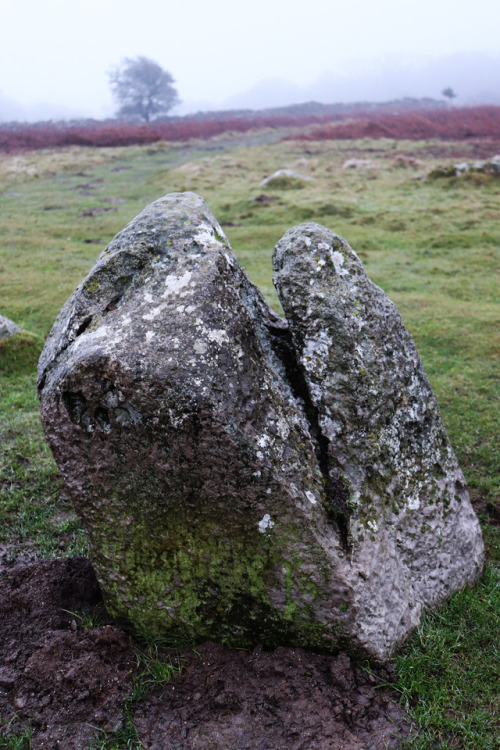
x=242 y=479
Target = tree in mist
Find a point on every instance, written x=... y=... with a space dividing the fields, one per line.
x=449 y=93
x=142 y=88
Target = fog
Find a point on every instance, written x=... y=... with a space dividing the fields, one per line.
x=55 y=54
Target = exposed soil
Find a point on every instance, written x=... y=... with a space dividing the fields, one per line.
x=70 y=681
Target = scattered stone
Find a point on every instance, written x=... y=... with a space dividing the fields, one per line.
x=7 y=327
x=358 y=164
x=392 y=479
x=240 y=480
x=488 y=166
x=285 y=179
x=407 y=162
x=97 y=210
x=262 y=198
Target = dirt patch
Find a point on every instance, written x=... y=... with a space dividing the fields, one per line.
x=70 y=681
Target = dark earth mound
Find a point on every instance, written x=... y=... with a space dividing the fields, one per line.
x=70 y=681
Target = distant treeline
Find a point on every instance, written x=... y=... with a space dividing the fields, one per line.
x=383 y=122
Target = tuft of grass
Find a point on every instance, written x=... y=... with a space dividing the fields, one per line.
x=125 y=737
x=157 y=671
x=19 y=354
x=449 y=672
x=89 y=620
x=13 y=738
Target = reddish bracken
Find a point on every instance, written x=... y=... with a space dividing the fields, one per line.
x=449 y=124
x=47 y=135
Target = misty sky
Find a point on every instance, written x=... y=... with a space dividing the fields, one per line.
x=59 y=51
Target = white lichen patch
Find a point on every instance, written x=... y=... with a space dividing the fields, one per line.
x=372 y=525
x=218 y=336
x=413 y=502
x=265 y=523
x=200 y=347
x=315 y=353
x=283 y=428
x=206 y=235
x=155 y=312
x=174 y=284
x=338 y=263
x=320 y=263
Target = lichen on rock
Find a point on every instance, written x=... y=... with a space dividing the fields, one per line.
x=411 y=529
x=242 y=479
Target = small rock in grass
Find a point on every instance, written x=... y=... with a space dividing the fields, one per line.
x=285 y=179
x=358 y=164
x=7 y=327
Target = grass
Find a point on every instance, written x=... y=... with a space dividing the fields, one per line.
x=35 y=517
x=95 y=618
x=11 y=739
x=449 y=672
x=157 y=670
x=432 y=245
x=122 y=738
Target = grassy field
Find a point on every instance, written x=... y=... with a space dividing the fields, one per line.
x=431 y=244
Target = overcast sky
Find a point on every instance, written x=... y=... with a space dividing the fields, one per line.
x=59 y=51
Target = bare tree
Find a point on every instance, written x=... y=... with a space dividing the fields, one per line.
x=449 y=93
x=142 y=88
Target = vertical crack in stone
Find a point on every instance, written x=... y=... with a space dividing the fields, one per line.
x=336 y=492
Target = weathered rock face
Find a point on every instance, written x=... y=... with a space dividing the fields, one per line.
x=239 y=481
x=188 y=458
x=7 y=327
x=392 y=476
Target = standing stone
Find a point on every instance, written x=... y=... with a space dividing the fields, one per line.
x=167 y=405
x=392 y=479
x=7 y=328
x=240 y=480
